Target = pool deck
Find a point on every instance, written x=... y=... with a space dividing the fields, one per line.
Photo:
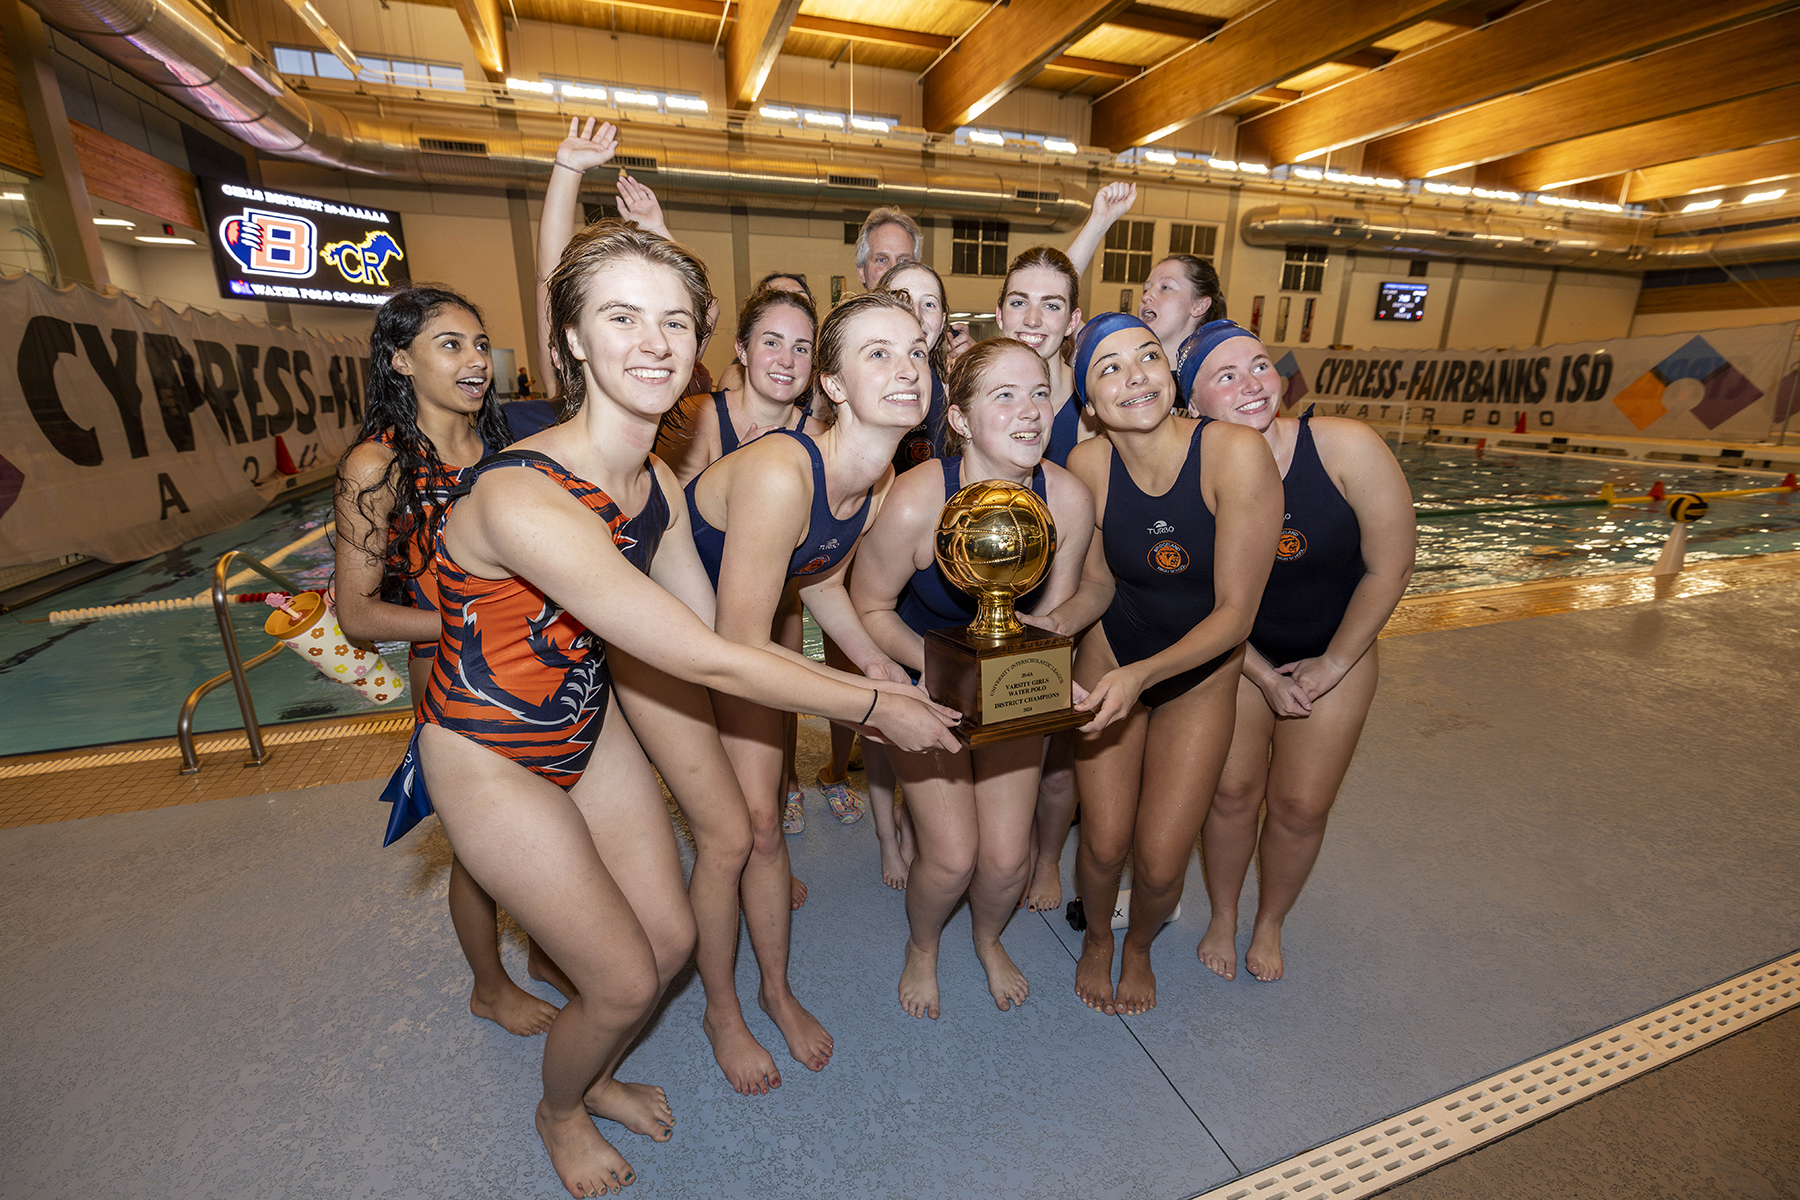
x=1572 y=805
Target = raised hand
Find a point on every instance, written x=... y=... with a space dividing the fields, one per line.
x=587 y=147
x=960 y=341
x=638 y=203
x=1114 y=201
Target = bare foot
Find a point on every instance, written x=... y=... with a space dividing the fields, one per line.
x=1218 y=949
x=918 y=982
x=515 y=1010
x=1093 y=975
x=584 y=1161
x=806 y=1038
x=1137 y=986
x=796 y=893
x=640 y=1107
x=1006 y=983
x=748 y=1067
x=1045 y=892
x=1264 y=956
x=894 y=867
x=543 y=968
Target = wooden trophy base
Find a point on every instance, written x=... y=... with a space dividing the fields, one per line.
x=1013 y=687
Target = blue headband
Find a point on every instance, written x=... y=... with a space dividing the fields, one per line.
x=1088 y=340
x=1200 y=343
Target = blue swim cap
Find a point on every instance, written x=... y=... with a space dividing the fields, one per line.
x=1092 y=334
x=1200 y=343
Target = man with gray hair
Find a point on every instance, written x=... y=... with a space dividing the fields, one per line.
x=889 y=237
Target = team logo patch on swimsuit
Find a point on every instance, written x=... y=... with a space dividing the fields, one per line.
x=1169 y=558
x=1160 y=528
x=816 y=565
x=1291 y=545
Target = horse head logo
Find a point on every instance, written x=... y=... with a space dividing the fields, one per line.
x=364 y=262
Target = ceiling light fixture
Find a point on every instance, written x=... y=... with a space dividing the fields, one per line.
x=983 y=137
x=1462 y=166
x=1702 y=206
x=20 y=196
x=775 y=112
x=1762 y=197
x=1060 y=146
x=528 y=85
x=121 y=222
x=166 y=241
x=574 y=91
x=1162 y=158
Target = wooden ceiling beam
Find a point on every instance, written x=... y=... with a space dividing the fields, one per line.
x=1751 y=121
x=1275 y=42
x=1712 y=70
x=1094 y=66
x=856 y=31
x=752 y=45
x=1524 y=49
x=1002 y=51
x=481 y=21
x=1170 y=22
x=1735 y=168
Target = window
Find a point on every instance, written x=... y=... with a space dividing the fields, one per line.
x=1304 y=270
x=1127 y=256
x=852 y=231
x=1199 y=240
x=1418 y=268
x=398 y=72
x=978 y=247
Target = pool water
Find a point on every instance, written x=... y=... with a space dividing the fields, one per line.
x=125 y=678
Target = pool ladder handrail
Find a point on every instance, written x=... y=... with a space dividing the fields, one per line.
x=236 y=667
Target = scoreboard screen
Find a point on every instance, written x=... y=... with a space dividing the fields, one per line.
x=1401 y=302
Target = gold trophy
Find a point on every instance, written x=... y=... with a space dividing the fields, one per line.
x=995 y=541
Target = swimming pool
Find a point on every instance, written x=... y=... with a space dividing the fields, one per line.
x=125 y=678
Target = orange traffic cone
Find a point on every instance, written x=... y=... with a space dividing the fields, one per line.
x=284 y=462
x=1520 y=427
x=1656 y=490
x=1788 y=481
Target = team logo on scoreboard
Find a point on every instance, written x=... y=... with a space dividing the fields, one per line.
x=364 y=262
x=270 y=243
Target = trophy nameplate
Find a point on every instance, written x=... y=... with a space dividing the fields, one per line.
x=1009 y=680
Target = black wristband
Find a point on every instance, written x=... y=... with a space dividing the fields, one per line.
x=872 y=699
x=565 y=166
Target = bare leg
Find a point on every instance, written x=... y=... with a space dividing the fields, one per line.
x=494 y=996
x=1108 y=770
x=473 y=915
x=1050 y=830
x=940 y=790
x=896 y=856
x=1006 y=792
x=1228 y=839
x=674 y=722
x=1183 y=755
x=751 y=735
x=843 y=738
x=1308 y=765
x=528 y=845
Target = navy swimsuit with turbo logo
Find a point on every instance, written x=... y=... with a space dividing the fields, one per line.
x=1318 y=562
x=1160 y=549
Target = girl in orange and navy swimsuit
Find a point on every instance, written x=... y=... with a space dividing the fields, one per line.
x=432 y=414
x=541 y=575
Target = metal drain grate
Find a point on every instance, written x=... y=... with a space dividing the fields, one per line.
x=279 y=737
x=1380 y=1156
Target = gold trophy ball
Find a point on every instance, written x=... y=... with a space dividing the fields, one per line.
x=995 y=541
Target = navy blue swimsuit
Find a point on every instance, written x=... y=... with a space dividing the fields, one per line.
x=828 y=539
x=1318 y=562
x=1160 y=549
x=1065 y=431
x=728 y=438
x=931 y=601
x=924 y=441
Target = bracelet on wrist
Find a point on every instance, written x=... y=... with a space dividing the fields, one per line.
x=872 y=699
x=565 y=166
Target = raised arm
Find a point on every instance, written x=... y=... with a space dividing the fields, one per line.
x=521 y=523
x=362 y=534
x=584 y=149
x=1110 y=203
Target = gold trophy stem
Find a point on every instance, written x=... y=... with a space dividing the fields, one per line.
x=994 y=617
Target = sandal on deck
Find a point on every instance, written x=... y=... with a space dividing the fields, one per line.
x=846 y=805
x=793 y=816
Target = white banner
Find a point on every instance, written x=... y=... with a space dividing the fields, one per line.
x=126 y=430
x=1720 y=384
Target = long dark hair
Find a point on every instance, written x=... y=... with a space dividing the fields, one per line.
x=1205 y=281
x=391 y=414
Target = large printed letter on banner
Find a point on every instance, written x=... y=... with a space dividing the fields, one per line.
x=1719 y=384
x=126 y=430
